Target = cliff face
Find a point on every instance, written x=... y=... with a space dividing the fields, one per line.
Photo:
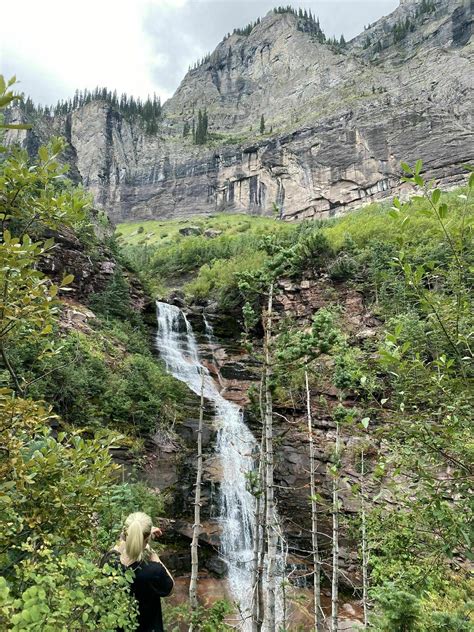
x=341 y=121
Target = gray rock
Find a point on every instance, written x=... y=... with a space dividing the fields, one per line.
x=188 y=231
x=342 y=122
x=217 y=566
x=211 y=233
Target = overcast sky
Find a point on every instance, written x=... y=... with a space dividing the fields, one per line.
x=137 y=46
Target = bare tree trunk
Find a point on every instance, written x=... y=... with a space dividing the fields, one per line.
x=197 y=510
x=365 y=552
x=318 y=620
x=258 y=543
x=335 y=539
x=261 y=557
x=271 y=526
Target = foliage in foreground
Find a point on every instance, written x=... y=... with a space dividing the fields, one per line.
x=60 y=503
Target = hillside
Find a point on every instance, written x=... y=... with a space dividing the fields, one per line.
x=338 y=121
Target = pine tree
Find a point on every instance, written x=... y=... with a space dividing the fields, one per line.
x=198 y=136
x=262 y=124
x=204 y=126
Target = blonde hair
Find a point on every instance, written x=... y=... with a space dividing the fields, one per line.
x=137 y=528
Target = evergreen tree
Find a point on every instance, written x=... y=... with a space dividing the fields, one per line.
x=204 y=126
x=262 y=124
x=200 y=136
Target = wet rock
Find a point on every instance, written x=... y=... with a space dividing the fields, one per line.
x=217 y=566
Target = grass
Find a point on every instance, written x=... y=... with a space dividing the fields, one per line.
x=208 y=267
x=154 y=232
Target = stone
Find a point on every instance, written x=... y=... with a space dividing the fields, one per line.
x=217 y=566
x=188 y=231
x=212 y=233
x=107 y=267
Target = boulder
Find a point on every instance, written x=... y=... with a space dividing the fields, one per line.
x=190 y=231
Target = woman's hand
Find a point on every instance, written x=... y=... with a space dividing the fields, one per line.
x=156 y=532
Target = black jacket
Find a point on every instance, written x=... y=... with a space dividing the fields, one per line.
x=151 y=581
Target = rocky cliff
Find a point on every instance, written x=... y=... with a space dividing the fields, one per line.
x=338 y=121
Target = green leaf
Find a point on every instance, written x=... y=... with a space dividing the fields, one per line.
x=419 y=181
x=418 y=167
x=436 y=196
x=443 y=211
x=69 y=278
x=406 y=168
x=365 y=422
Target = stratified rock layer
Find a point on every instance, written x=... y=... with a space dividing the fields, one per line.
x=338 y=122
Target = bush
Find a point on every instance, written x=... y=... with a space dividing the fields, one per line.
x=68 y=592
x=400 y=610
x=106 y=377
x=204 y=619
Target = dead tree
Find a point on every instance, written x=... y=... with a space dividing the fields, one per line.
x=197 y=510
x=335 y=536
x=365 y=551
x=259 y=535
x=271 y=521
x=318 y=618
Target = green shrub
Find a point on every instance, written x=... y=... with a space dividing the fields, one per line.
x=67 y=592
x=204 y=619
x=105 y=377
x=400 y=610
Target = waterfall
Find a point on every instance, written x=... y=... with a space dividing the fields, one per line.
x=235 y=447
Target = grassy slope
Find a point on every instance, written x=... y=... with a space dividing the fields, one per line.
x=207 y=267
x=166 y=231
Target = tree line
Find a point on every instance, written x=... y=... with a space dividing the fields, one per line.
x=146 y=111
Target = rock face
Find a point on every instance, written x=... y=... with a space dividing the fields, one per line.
x=338 y=122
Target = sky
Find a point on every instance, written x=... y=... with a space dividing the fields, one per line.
x=139 y=47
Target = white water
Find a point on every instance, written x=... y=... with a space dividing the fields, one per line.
x=235 y=446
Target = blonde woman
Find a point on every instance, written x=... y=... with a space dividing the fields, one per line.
x=152 y=579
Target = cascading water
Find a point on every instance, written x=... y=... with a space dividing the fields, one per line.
x=235 y=446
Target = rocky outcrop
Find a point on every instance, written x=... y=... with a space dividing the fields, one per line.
x=338 y=122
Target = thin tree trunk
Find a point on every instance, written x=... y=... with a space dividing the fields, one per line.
x=197 y=510
x=335 y=539
x=261 y=558
x=271 y=527
x=318 y=621
x=258 y=544
x=365 y=552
